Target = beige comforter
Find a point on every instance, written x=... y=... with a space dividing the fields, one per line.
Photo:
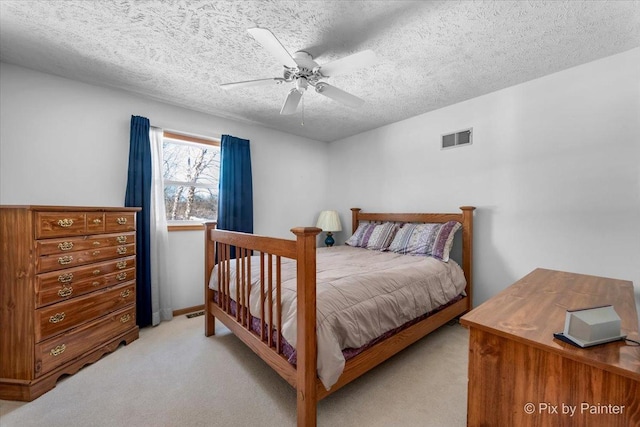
x=361 y=294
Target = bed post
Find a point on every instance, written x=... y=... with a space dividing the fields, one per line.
x=306 y=347
x=467 y=249
x=210 y=259
x=354 y=219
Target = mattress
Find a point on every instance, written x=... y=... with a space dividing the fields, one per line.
x=361 y=294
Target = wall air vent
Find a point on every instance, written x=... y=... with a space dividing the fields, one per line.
x=456 y=139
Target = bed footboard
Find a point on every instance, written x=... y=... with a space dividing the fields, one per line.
x=230 y=302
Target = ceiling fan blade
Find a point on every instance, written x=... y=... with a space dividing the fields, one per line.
x=366 y=58
x=273 y=45
x=251 y=83
x=339 y=95
x=291 y=103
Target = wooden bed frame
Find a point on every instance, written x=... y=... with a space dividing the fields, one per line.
x=266 y=344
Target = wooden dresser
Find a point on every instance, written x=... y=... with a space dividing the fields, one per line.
x=67 y=292
x=520 y=375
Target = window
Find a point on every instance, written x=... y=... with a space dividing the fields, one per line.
x=191 y=173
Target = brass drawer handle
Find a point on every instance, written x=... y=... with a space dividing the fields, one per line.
x=67 y=222
x=125 y=318
x=95 y=253
x=96 y=243
x=121 y=239
x=121 y=220
x=65 y=278
x=59 y=317
x=122 y=250
x=65 y=260
x=58 y=350
x=125 y=294
x=97 y=221
x=65 y=246
x=121 y=265
x=121 y=276
x=65 y=292
x=96 y=272
x=96 y=283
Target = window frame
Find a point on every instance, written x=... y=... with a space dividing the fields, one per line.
x=186 y=225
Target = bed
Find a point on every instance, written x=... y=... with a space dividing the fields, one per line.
x=263 y=288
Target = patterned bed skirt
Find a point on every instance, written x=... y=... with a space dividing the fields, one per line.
x=290 y=353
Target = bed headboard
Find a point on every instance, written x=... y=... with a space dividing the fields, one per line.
x=465 y=217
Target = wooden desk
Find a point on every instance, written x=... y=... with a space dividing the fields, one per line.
x=519 y=375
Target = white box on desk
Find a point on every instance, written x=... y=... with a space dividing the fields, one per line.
x=593 y=326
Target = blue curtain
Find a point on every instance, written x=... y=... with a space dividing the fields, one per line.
x=235 y=196
x=139 y=194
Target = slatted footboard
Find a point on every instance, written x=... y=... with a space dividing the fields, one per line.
x=233 y=310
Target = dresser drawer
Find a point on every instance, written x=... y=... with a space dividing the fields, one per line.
x=73 y=244
x=58 y=224
x=58 y=350
x=120 y=221
x=57 y=318
x=95 y=222
x=54 y=288
x=77 y=258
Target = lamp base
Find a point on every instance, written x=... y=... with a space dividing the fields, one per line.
x=329 y=240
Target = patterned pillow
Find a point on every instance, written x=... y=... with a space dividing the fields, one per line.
x=373 y=236
x=426 y=239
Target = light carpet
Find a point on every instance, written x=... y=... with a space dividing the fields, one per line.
x=175 y=376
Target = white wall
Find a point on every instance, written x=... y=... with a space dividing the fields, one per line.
x=554 y=170
x=63 y=142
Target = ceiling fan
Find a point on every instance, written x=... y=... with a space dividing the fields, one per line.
x=303 y=71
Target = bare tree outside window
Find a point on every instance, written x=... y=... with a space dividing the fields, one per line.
x=191 y=175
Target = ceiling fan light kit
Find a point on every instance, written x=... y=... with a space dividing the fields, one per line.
x=303 y=71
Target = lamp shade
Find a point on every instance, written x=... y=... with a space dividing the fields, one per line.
x=329 y=221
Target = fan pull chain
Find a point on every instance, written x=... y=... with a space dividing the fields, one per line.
x=302 y=122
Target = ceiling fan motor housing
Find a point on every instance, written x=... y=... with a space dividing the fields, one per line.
x=307 y=72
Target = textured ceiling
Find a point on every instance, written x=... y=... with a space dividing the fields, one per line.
x=430 y=53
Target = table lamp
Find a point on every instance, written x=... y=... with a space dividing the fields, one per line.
x=329 y=221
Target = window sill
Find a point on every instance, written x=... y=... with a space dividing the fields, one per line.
x=185 y=227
